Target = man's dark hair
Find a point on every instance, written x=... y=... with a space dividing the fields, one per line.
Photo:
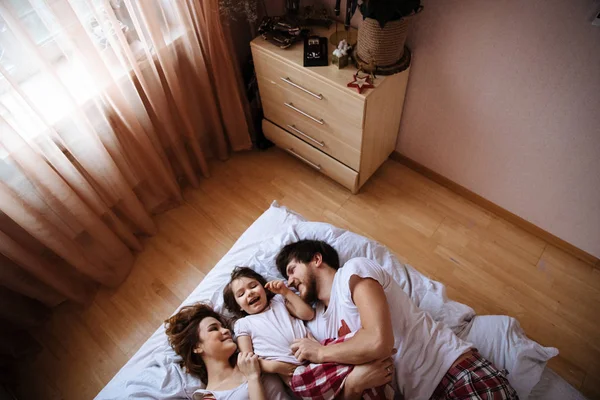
x=303 y=251
x=229 y=296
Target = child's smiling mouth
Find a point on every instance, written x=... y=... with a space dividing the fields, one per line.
x=254 y=301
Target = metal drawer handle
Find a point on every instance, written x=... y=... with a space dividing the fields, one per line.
x=318 y=121
x=298 y=156
x=289 y=82
x=299 y=132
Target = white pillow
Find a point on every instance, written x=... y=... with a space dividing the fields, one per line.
x=501 y=340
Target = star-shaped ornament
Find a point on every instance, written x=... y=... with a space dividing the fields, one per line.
x=361 y=82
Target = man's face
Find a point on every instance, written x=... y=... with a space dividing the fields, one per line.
x=302 y=278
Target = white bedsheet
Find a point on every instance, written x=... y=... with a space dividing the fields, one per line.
x=153 y=372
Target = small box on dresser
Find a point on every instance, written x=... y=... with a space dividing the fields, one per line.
x=314 y=116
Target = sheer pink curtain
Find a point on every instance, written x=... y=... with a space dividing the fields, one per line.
x=105 y=108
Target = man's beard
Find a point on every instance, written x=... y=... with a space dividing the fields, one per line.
x=310 y=296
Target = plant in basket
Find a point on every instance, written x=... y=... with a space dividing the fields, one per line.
x=382 y=35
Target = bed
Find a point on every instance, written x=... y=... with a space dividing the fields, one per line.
x=154 y=371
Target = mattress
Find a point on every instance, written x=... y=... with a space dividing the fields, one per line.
x=154 y=371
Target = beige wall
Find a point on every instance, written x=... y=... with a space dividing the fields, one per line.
x=504 y=99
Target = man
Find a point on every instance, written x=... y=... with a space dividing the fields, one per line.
x=431 y=362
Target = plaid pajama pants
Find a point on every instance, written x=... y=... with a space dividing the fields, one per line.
x=325 y=381
x=474 y=378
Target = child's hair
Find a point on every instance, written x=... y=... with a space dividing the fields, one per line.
x=229 y=296
x=182 y=332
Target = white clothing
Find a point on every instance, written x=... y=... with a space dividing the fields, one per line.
x=272 y=331
x=426 y=349
x=272 y=387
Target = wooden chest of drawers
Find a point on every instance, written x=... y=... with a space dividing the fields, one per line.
x=313 y=115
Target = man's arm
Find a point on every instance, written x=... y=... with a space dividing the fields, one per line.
x=373 y=341
x=365 y=376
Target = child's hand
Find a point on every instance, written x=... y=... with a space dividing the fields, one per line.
x=277 y=287
x=286 y=369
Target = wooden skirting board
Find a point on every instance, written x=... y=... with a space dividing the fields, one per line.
x=496 y=209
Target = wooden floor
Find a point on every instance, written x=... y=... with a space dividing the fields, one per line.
x=484 y=261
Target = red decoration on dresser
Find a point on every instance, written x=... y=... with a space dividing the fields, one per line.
x=361 y=82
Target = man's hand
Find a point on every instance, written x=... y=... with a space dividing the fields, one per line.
x=366 y=376
x=277 y=287
x=307 y=349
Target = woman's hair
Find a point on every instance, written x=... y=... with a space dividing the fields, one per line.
x=184 y=336
x=229 y=296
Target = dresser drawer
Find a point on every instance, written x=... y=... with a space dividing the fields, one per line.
x=321 y=139
x=313 y=93
x=330 y=123
x=311 y=156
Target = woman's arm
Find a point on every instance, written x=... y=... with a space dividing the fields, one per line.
x=249 y=366
x=255 y=389
x=295 y=305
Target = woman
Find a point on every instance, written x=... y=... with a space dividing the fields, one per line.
x=201 y=336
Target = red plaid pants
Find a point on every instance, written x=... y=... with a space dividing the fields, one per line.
x=325 y=381
x=474 y=378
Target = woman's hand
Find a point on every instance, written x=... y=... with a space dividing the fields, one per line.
x=277 y=287
x=248 y=364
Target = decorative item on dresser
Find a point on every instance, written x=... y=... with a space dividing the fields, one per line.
x=382 y=34
x=313 y=115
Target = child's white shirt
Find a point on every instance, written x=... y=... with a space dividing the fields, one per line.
x=272 y=331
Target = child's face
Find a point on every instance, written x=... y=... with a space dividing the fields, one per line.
x=249 y=294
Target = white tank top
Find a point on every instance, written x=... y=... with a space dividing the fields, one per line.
x=272 y=386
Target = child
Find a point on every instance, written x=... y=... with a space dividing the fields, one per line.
x=269 y=322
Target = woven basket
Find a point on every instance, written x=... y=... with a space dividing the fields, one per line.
x=382 y=48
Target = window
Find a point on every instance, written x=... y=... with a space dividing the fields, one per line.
x=59 y=32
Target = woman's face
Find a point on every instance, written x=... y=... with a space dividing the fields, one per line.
x=249 y=294
x=215 y=339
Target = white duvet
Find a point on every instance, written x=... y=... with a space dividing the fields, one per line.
x=154 y=371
